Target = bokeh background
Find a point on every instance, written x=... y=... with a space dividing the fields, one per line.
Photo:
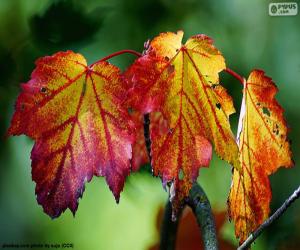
x=244 y=32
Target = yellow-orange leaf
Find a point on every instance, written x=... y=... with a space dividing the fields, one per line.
x=263 y=147
x=74 y=114
x=182 y=82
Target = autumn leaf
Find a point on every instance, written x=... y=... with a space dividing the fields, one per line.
x=263 y=147
x=74 y=114
x=182 y=82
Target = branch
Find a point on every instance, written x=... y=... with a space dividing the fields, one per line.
x=168 y=229
x=147 y=135
x=280 y=211
x=200 y=205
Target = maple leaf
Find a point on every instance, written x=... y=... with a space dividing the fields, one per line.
x=181 y=81
x=263 y=147
x=74 y=114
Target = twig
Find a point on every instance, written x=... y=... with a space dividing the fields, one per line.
x=200 y=205
x=147 y=134
x=280 y=211
x=236 y=75
x=129 y=51
x=168 y=230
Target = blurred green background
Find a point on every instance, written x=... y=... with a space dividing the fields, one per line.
x=244 y=32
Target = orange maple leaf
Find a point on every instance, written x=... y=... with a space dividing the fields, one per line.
x=74 y=114
x=263 y=147
x=181 y=81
